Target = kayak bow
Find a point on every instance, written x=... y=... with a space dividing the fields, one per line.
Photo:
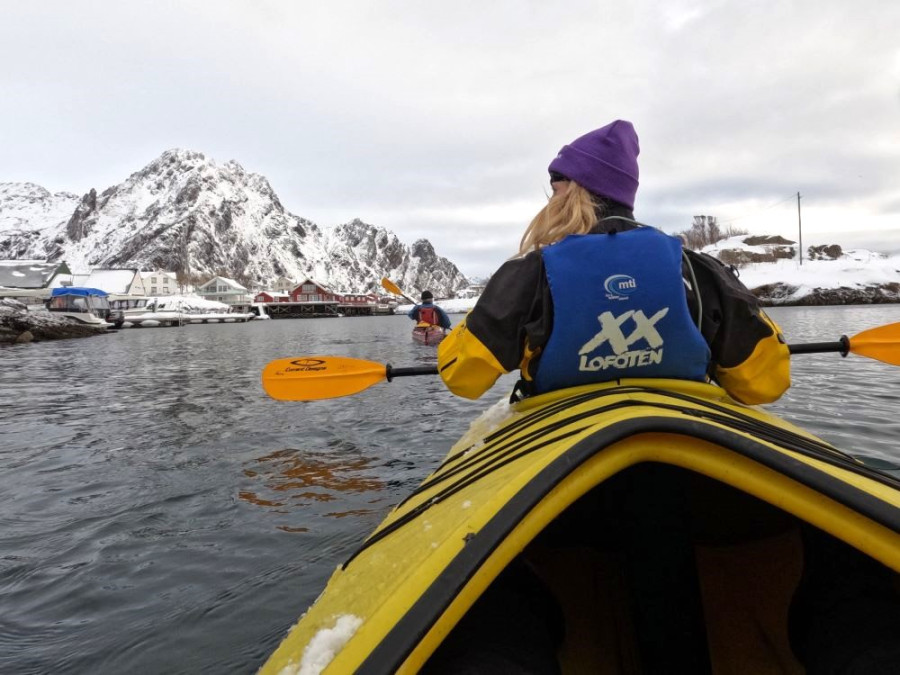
x=666 y=522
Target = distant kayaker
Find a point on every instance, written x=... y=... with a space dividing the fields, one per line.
x=595 y=296
x=428 y=312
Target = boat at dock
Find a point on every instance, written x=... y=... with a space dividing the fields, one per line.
x=167 y=311
x=89 y=306
x=385 y=305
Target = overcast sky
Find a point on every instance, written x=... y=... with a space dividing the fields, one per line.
x=438 y=119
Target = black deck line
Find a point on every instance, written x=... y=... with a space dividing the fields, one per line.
x=789 y=440
x=397 y=645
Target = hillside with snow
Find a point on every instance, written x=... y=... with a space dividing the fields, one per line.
x=186 y=213
x=30 y=214
x=827 y=275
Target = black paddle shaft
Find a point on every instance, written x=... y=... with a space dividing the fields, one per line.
x=842 y=346
x=412 y=370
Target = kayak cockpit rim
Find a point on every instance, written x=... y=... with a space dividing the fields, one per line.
x=408 y=632
x=808 y=446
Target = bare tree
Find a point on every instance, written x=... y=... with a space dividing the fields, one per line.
x=705 y=230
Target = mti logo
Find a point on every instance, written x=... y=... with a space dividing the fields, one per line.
x=619 y=286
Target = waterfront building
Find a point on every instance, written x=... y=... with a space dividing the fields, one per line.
x=312 y=291
x=160 y=282
x=114 y=281
x=283 y=285
x=223 y=289
x=34 y=274
x=272 y=296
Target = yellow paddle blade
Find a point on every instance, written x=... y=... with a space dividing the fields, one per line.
x=391 y=286
x=881 y=343
x=312 y=378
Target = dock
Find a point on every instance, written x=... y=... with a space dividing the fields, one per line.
x=168 y=319
x=315 y=310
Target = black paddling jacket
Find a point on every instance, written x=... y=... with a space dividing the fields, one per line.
x=511 y=324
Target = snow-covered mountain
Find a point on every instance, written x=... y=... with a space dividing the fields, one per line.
x=187 y=213
x=28 y=214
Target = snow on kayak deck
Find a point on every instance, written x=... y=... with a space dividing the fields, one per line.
x=489 y=420
x=323 y=647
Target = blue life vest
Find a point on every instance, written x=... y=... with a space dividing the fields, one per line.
x=619 y=310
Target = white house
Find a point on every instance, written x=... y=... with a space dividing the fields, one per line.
x=160 y=283
x=31 y=281
x=113 y=281
x=223 y=289
x=34 y=274
x=284 y=285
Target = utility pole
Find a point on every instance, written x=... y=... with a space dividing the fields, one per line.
x=186 y=255
x=800 y=228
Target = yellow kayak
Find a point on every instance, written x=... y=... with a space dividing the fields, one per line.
x=639 y=526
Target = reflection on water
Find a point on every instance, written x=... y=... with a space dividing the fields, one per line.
x=293 y=480
x=162 y=515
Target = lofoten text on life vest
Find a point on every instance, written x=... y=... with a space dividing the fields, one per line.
x=624 y=355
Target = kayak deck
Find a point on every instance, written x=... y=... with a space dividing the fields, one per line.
x=716 y=497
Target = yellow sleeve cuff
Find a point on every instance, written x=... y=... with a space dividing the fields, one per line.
x=764 y=376
x=465 y=364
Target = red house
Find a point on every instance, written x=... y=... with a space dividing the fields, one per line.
x=271 y=296
x=361 y=299
x=310 y=291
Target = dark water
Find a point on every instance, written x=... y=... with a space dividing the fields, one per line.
x=160 y=514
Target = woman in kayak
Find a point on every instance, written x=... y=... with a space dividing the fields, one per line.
x=630 y=302
x=428 y=312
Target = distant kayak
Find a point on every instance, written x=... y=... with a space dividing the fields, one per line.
x=428 y=334
x=637 y=526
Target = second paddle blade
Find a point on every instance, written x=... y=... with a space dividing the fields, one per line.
x=312 y=378
x=881 y=343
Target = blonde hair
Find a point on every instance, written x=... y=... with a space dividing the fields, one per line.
x=571 y=212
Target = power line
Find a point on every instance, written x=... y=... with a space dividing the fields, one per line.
x=771 y=206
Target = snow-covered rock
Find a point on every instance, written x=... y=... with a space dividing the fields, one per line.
x=19 y=324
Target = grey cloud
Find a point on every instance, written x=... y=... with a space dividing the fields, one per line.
x=349 y=109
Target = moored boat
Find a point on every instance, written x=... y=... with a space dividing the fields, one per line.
x=179 y=311
x=636 y=526
x=89 y=306
x=428 y=334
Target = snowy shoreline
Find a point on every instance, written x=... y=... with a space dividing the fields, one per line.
x=858 y=277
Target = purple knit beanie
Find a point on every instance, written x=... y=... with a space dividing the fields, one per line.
x=603 y=161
